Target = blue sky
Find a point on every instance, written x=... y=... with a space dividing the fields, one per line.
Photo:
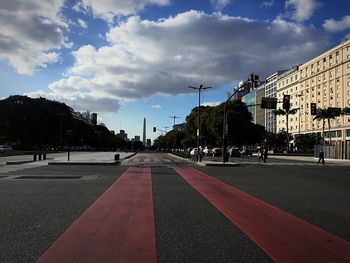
x=131 y=59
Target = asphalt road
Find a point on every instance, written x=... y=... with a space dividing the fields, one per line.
x=35 y=212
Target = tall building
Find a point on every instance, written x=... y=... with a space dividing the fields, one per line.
x=137 y=138
x=94 y=118
x=144 y=132
x=122 y=135
x=259 y=112
x=288 y=84
x=250 y=99
x=148 y=143
x=325 y=80
x=271 y=92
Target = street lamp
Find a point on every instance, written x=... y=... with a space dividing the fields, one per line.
x=299 y=95
x=224 y=129
x=199 y=106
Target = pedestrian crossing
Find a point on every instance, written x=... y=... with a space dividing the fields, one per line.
x=153 y=161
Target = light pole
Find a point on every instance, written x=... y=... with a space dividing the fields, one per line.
x=199 y=106
x=224 y=129
x=299 y=95
x=174 y=137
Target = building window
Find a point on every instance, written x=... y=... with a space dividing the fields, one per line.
x=348 y=65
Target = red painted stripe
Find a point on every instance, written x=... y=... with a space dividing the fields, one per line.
x=283 y=236
x=118 y=227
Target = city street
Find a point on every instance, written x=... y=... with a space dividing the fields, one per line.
x=178 y=211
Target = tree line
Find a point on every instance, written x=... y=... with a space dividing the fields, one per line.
x=241 y=129
x=35 y=124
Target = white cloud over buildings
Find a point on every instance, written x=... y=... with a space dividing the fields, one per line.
x=147 y=58
x=335 y=26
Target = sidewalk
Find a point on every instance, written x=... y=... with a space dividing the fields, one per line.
x=237 y=161
x=98 y=158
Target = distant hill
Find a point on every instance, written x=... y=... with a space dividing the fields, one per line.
x=28 y=123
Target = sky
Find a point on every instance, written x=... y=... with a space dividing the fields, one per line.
x=133 y=59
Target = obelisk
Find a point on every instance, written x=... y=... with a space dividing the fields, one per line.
x=144 y=132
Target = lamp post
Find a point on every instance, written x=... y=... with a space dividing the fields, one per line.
x=199 y=106
x=224 y=128
x=299 y=95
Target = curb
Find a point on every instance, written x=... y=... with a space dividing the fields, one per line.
x=18 y=162
x=85 y=163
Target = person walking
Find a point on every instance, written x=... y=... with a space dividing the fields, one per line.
x=265 y=154
x=261 y=154
x=321 y=157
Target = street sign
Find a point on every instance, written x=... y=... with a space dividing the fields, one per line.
x=334 y=111
x=268 y=103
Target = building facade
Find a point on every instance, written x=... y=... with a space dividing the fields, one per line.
x=288 y=84
x=325 y=80
x=259 y=112
x=271 y=92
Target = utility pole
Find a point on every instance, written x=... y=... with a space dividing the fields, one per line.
x=199 y=106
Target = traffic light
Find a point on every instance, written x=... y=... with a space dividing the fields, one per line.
x=154 y=129
x=268 y=103
x=286 y=102
x=313 y=109
x=254 y=80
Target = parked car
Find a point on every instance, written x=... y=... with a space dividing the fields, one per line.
x=208 y=151
x=246 y=152
x=235 y=152
x=5 y=148
x=217 y=152
x=194 y=151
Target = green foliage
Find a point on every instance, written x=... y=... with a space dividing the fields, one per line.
x=28 y=123
x=240 y=128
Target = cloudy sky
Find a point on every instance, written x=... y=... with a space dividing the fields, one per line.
x=130 y=59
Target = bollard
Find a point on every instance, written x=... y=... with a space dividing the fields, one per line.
x=34 y=157
x=44 y=156
x=39 y=156
x=116 y=157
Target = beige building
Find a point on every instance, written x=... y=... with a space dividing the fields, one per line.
x=325 y=80
x=288 y=84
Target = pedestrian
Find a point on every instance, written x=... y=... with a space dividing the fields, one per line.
x=321 y=157
x=265 y=154
x=261 y=154
x=200 y=153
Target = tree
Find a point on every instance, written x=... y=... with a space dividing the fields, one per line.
x=286 y=112
x=325 y=114
x=240 y=128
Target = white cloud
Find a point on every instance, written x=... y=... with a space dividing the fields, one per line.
x=212 y=104
x=29 y=32
x=268 y=3
x=147 y=58
x=156 y=106
x=108 y=9
x=334 y=26
x=301 y=10
x=220 y=4
x=82 y=23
